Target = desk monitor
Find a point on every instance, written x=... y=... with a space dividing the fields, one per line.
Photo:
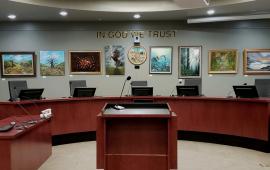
x=84 y=92
x=245 y=91
x=263 y=87
x=15 y=87
x=142 y=91
x=187 y=90
x=76 y=83
x=29 y=94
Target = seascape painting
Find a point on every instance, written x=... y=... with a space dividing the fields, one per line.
x=85 y=62
x=114 y=60
x=52 y=63
x=223 y=61
x=18 y=64
x=189 y=61
x=257 y=61
x=161 y=60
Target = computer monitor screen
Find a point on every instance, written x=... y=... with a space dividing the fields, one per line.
x=29 y=94
x=84 y=92
x=263 y=87
x=245 y=91
x=15 y=87
x=187 y=90
x=142 y=91
x=76 y=83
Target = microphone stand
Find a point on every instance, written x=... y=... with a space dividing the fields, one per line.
x=118 y=107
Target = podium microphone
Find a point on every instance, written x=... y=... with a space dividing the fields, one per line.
x=118 y=107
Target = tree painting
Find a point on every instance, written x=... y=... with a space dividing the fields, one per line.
x=190 y=62
x=18 y=64
x=52 y=63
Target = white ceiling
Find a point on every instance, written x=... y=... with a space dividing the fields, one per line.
x=123 y=10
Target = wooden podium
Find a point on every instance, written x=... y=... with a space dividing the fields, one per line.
x=141 y=136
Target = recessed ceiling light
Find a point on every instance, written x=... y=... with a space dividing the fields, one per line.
x=210 y=12
x=136 y=16
x=63 y=13
x=12 y=16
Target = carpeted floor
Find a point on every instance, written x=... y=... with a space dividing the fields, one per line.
x=191 y=156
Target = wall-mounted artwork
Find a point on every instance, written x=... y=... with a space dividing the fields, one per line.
x=18 y=64
x=52 y=63
x=222 y=61
x=189 y=61
x=256 y=61
x=114 y=60
x=137 y=55
x=85 y=62
x=161 y=60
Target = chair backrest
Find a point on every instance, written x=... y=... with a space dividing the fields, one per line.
x=139 y=83
x=15 y=88
x=76 y=83
x=194 y=82
x=263 y=87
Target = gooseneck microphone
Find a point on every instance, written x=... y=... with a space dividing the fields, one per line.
x=118 y=107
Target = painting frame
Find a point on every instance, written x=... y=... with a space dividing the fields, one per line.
x=22 y=56
x=89 y=68
x=44 y=55
x=190 y=74
x=246 y=56
x=229 y=66
x=160 y=50
x=114 y=56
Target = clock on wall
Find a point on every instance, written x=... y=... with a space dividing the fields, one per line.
x=137 y=55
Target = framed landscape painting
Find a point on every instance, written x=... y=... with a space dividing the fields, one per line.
x=18 y=64
x=52 y=63
x=114 y=60
x=85 y=62
x=189 y=58
x=161 y=60
x=256 y=61
x=223 y=61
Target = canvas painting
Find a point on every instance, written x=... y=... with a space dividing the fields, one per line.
x=189 y=61
x=18 y=64
x=85 y=62
x=223 y=61
x=114 y=60
x=52 y=63
x=161 y=60
x=257 y=61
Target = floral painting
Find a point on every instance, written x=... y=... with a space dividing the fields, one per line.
x=114 y=60
x=85 y=62
x=52 y=63
x=223 y=61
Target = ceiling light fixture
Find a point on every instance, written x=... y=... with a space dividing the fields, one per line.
x=227 y=18
x=210 y=12
x=136 y=16
x=12 y=16
x=63 y=13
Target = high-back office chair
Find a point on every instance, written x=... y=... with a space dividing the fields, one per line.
x=194 y=82
x=15 y=87
x=76 y=83
x=263 y=87
x=138 y=83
